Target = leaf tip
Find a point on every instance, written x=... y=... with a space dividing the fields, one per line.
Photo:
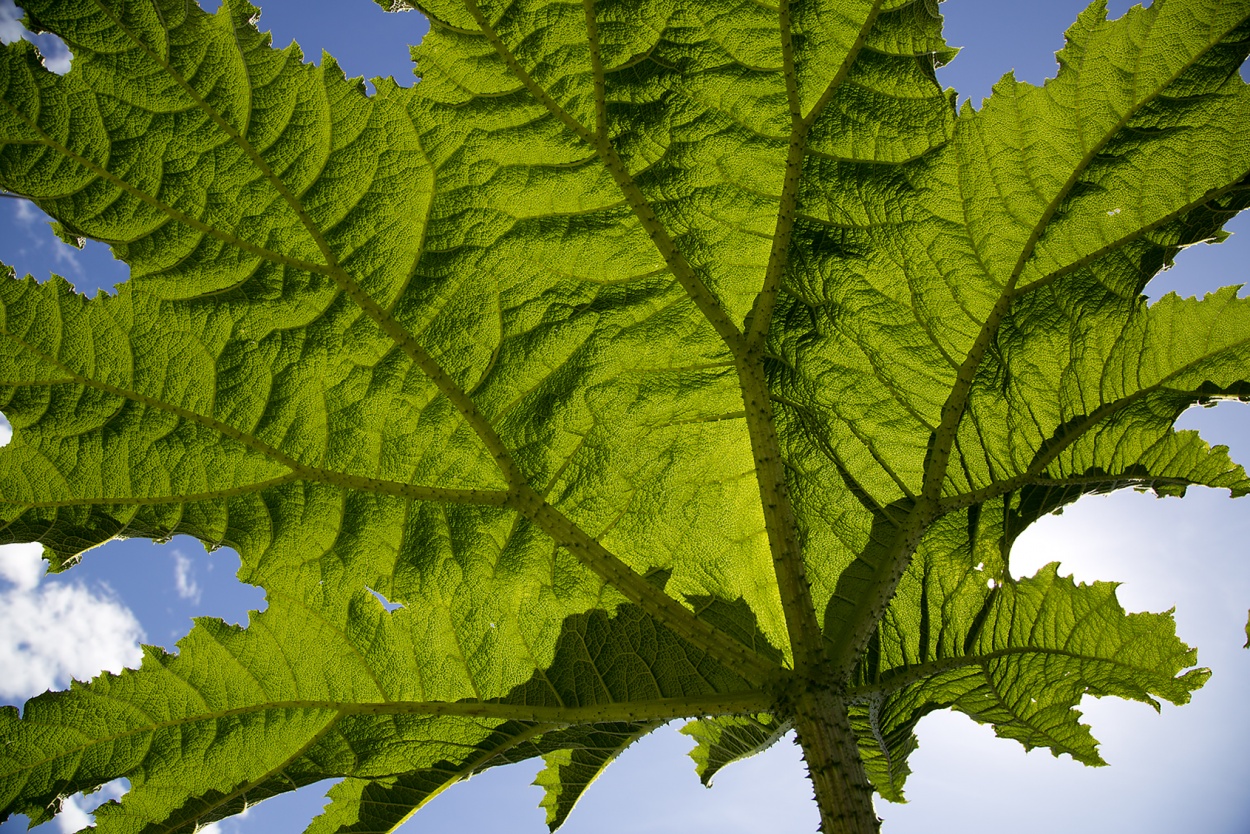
x=1192 y=681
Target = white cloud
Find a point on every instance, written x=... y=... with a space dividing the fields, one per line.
x=73 y=817
x=76 y=810
x=25 y=212
x=22 y=565
x=50 y=633
x=10 y=22
x=184 y=578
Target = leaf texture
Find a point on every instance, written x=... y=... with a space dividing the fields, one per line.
x=1020 y=662
x=346 y=704
x=994 y=338
x=571 y=769
x=725 y=740
x=662 y=359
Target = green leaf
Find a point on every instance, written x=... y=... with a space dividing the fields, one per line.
x=570 y=769
x=1025 y=365
x=725 y=740
x=1016 y=654
x=383 y=803
x=348 y=702
x=658 y=359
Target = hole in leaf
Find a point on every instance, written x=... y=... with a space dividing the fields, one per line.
x=386 y=603
x=30 y=244
x=55 y=54
x=78 y=811
x=54 y=629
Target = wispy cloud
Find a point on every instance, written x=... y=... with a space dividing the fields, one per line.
x=184 y=578
x=28 y=217
x=52 y=633
x=69 y=257
x=25 y=212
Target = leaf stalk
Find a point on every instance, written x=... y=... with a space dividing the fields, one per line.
x=843 y=792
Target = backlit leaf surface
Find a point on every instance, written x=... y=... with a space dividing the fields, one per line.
x=662 y=359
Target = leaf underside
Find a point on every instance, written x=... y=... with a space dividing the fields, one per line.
x=723 y=740
x=496 y=346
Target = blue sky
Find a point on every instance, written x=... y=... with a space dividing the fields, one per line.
x=1182 y=770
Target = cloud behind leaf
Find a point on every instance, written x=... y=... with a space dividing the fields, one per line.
x=53 y=632
x=184 y=578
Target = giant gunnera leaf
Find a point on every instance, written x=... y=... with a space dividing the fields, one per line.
x=662 y=358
